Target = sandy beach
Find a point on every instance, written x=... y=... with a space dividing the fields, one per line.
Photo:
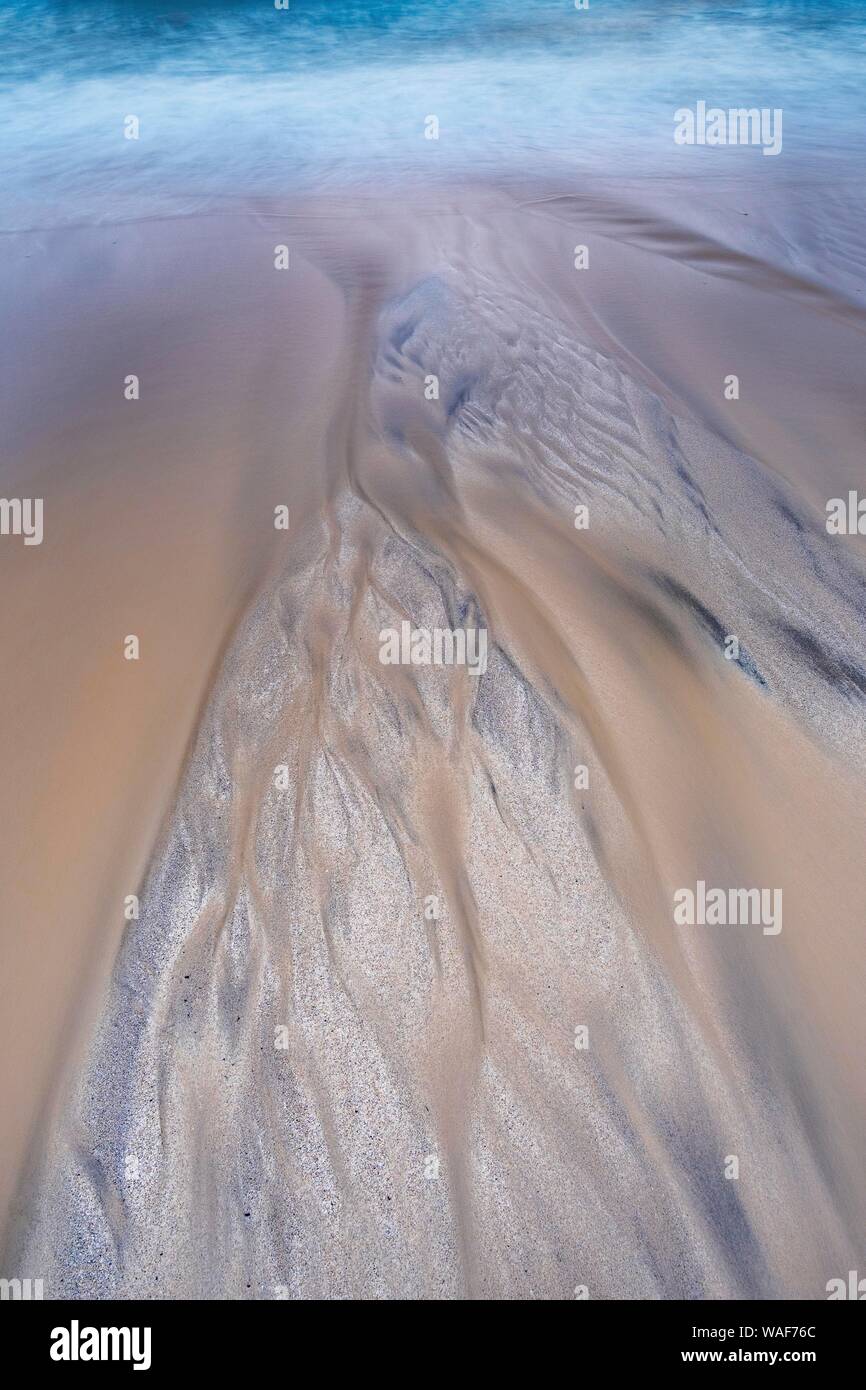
x=405 y=1012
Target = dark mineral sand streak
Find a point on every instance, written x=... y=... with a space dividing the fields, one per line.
x=452 y=1069
x=302 y=1167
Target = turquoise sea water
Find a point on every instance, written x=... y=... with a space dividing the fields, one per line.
x=243 y=98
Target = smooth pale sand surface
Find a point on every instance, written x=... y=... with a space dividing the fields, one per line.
x=156 y=1141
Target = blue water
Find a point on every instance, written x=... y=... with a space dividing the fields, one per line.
x=241 y=98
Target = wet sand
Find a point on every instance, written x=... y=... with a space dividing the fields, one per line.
x=287 y=1079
